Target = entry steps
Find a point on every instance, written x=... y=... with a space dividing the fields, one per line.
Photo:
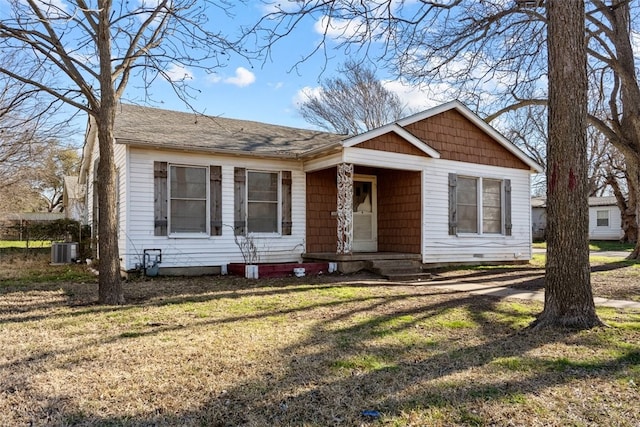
x=399 y=270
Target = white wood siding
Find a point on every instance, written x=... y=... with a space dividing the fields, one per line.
x=611 y=232
x=209 y=250
x=120 y=159
x=440 y=247
x=90 y=190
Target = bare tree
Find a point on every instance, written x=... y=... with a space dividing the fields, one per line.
x=26 y=127
x=37 y=182
x=618 y=179
x=48 y=179
x=97 y=48
x=352 y=103
x=610 y=35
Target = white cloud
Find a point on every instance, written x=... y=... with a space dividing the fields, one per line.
x=279 y=6
x=178 y=73
x=338 y=28
x=415 y=97
x=242 y=78
x=52 y=9
x=214 y=78
x=304 y=94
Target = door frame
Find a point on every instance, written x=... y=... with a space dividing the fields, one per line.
x=372 y=244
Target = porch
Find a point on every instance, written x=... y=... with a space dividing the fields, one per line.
x=391 y=265
x=365 y=210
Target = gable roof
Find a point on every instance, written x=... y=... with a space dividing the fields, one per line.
x=477 y=121
x=397 y=129
x=153 y=127
x=72 y=187
x=158 y=128
x=603 y=201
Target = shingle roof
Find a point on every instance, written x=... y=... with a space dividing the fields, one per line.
x=603 y=201
x=73 y=188
x=155 y=127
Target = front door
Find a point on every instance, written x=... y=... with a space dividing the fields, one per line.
x=365 y=221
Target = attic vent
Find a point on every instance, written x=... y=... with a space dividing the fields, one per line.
x=64 y=253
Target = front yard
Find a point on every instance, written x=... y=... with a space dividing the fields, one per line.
x=307 y=352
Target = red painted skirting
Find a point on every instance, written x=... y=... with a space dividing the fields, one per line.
x=281 y=270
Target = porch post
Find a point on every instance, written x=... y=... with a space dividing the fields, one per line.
x=345 y=208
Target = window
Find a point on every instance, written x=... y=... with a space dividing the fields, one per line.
x=479 y=205
x=602 y=218
x=262 y=202
x=187 y=199
x=467 y=205
x=491 y=206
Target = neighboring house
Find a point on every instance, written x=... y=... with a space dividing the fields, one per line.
x=441 y=185
x=604 y=218
x=73 y=199
x=538 y=217
x=605 y=222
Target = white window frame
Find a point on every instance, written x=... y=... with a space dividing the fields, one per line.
x=608 y=212
x=480 y=205
x=170 y=198
x=278 y=203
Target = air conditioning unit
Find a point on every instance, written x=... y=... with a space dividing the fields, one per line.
x=64 y=253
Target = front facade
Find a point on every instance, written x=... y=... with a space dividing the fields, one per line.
x=441 y=185
x=605 y=221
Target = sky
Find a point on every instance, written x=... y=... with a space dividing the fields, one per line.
x=268 y=91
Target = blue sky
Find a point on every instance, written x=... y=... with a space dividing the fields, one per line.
x=269 y=91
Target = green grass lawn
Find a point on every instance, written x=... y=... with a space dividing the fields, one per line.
x=597 y=245
x=312 y=351
x=23 y=244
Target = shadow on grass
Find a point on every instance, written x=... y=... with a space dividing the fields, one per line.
x=315 y=390
x=344 y=364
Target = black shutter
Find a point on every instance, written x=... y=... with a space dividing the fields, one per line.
x=286 y=203
x=508 y=226
x=215 y=200
x=160 y=198
x=239 y=205
x=453 y=204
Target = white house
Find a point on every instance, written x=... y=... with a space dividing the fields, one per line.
x=538 y=217
x=440 y=185
x=605 y=222
x=73 y=199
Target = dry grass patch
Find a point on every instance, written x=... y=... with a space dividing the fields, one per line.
x=304 y=352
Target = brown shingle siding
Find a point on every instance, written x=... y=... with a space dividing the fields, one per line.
x=393 y=143
x=322 y=198
x=399 y=210
x=457 y=138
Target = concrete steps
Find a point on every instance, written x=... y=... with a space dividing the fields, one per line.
x=399 y=270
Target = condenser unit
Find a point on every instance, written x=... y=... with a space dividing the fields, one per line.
x=64 y=253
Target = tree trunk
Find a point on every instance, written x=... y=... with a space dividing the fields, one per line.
x=109 y=281
x=633 y=170
x=627 y=206
x=568 y=294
